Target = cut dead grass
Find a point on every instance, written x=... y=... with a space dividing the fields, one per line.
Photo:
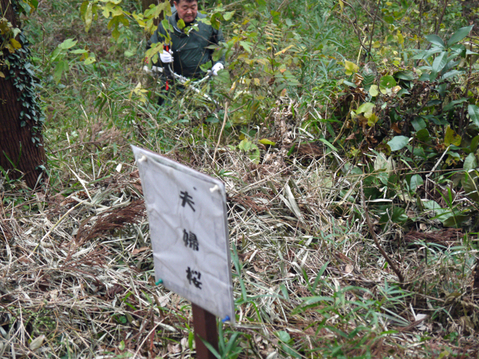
x=77 y=273
x=310 y=279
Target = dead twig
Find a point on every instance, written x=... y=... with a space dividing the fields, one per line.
x=375 y=238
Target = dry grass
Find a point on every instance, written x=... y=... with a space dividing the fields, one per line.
x=76 y=272
x=76 y=268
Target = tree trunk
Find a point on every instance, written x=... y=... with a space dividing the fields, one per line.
x=21 y=143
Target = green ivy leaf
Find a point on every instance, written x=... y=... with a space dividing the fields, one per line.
x=398 y=142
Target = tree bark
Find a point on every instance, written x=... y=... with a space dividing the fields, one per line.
x=21 y=143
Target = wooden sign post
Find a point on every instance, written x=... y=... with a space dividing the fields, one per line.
x=205 y=328
x=189 y=235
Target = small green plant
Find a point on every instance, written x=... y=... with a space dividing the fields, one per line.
x=227 y=348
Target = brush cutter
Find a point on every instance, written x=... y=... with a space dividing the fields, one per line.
x=192 y=85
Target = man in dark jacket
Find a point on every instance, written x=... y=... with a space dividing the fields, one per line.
x=187 y=42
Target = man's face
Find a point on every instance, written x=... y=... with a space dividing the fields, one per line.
x=186 y=10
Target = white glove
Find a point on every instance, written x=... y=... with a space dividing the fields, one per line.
x=166 y=56
x=217 y=67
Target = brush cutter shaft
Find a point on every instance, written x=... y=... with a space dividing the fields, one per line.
x=183 y=80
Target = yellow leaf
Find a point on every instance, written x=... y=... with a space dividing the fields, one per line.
x=396 y=89
x=16 y=45
x=341 y=4
x=400 y=38
x=350 y=67
x=265 y=141
x=2 y=74
x=372 y=119
x=257 y=82
x=374 y=90
x=283 y=51
x=452 y=138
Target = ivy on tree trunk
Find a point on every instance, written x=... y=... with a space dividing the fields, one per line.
x=21 y=143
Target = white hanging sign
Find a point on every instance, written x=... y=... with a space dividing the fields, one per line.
x=188 y=230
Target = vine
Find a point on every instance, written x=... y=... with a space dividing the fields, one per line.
x=15 y=64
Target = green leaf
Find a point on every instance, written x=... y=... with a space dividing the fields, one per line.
x=372 y=119
x=451 y=73
x=436 y=40
x=90 y=59
x=451 y=104
x=455 y=220
x=366 y=107
x=181 y=24
x=474 y=143
x=374 y=90
x=418 y=123
x=459 y=35
x=283 y=336
x=86 y=11
x=471 y=185
x=228 y=15
x=405 y=75
x=473 y=111
x=423 y=135
x=387 y=82
x=60 y=68
x=67 y=44
x=470 y=163
x=415 y=182
x=329 y=144
x=248 y=46
x=451 y=137
x=79 y=51
x=430 y=204
x=398 y=142
x=439 y=62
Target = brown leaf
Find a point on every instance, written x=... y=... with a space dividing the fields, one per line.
x=395 y=127
x=139 y=250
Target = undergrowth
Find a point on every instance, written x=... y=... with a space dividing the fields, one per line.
x=349 y=159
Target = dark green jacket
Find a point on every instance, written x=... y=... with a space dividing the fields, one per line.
x=189 y=51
